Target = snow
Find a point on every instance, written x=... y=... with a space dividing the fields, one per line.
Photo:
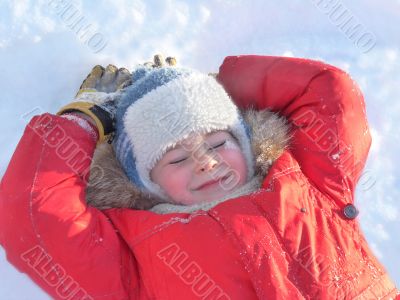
x=45 y=55
x=82 y=123
x=335 y=156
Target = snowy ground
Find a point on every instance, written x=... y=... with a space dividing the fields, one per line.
x=43 y=61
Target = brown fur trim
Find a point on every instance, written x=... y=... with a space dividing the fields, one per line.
x=269 y=137
x=109 y=187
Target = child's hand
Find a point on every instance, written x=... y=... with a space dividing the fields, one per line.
x=159 y=62
x=107 y=80
x=100 y=92
x=97 y=97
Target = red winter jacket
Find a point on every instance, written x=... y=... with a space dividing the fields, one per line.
x=297 y=238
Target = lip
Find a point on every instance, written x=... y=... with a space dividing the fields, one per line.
x=210 y=183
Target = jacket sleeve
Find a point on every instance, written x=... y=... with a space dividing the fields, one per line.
x=330 y=136
x=46 y=228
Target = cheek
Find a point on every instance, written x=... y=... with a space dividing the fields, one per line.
x=236 y=162
x=174 y=180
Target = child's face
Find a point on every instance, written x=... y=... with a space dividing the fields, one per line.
x=201 y=168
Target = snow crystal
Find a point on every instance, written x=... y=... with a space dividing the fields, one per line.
x=82 y=123
x=335 y=156
x=231 y=145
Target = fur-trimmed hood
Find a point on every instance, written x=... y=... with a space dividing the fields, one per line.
x=109 y=187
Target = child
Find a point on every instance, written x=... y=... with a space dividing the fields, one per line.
x=167 y=125
x=295 y=237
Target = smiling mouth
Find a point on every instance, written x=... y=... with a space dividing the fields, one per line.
x=211 y=183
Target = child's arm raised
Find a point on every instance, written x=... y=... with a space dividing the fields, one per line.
x=46 y=227
x=325 y=107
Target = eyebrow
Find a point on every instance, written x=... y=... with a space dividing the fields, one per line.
x=176 y=148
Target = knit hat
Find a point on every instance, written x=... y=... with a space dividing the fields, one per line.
x=164 y=106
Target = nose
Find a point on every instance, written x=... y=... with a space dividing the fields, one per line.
x=207 y=163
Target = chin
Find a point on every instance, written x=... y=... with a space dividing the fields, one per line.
x=217 y=196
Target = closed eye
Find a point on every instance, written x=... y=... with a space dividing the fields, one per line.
x=218 y=145
x=177 y=161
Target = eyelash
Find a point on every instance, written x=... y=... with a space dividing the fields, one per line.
x=177 y=161
x=219 y=145
x=183 y=159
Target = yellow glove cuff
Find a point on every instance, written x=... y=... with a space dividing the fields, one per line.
x=85 y=91
x=93 y=111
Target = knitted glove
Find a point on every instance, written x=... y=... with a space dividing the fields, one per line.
x=159 y=62
x=98 y=95
x=100 y=92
